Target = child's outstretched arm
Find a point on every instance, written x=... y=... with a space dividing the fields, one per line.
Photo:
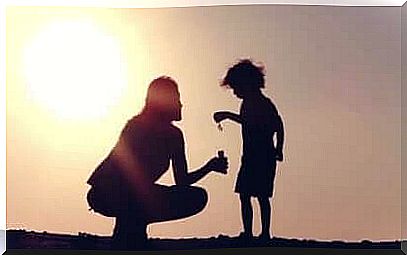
x=222 y=115
x=280 y=139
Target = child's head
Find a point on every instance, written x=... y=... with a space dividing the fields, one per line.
x=244 y=78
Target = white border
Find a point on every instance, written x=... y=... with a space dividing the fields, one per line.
x=127 y=4
x=187 y=3
x=2 y=127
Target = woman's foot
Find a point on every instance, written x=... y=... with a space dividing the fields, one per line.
x=128 y=241
x=129 y=237
x=137 y=241
x=119 y=242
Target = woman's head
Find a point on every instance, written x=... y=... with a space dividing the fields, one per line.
x=163 y=98
x=244 y=78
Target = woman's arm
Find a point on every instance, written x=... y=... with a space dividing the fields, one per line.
x=180 y=168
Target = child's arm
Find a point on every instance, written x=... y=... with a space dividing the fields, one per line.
x=280 y=139
x=222 y=115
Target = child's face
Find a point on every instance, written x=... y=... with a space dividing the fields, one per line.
x=239 y=92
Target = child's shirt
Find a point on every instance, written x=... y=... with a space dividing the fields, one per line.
x=259 y=121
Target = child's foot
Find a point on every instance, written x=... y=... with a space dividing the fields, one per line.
x=246 y=238
x=245 y=235
x=264 y=238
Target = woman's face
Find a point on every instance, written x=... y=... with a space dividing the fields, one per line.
x=164 y=99
x=177 y=108
x=171 y=107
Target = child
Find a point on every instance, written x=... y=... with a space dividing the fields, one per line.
x=260 y=121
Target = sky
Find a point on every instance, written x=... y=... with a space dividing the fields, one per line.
x=75 y=75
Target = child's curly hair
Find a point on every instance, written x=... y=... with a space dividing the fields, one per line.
x=244 y=74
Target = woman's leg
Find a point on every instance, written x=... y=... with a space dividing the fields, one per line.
x=247 y=214
x=265 y=210
x=163 y=204
x=129 y=233
x=176 y=202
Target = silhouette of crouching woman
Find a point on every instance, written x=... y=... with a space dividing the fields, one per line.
x=123 y=185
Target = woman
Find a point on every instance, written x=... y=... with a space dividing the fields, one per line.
x=123 y=185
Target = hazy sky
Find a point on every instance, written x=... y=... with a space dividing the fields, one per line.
x=76 y=75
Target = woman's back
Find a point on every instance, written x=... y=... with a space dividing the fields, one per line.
x=150 y=144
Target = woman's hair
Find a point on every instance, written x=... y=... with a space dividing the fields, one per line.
x=244 y=74
x=161 y=91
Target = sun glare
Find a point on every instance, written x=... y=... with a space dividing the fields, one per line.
x=74 y=69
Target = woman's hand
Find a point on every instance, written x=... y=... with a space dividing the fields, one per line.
x=217 y=164
x=220 y=116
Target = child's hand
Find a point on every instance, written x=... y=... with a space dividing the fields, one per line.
x=217 y=164
x=220 y=116
x=279 y=156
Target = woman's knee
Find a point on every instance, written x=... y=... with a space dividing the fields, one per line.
x=197 y=196
x=203 y=195
x=99 y=202
x=179 y=202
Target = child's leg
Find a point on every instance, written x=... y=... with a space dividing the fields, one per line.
x=265 y=209
x=247 y=214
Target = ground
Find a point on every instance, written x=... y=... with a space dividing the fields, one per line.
x=22 y=239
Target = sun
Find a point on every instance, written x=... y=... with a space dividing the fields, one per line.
x=74 y=69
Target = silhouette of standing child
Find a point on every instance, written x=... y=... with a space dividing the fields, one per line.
x=260 y=122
